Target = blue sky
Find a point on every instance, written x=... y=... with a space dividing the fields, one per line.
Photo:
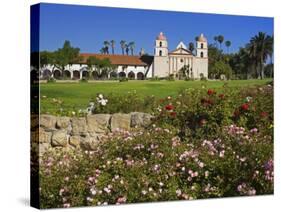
x=87 y=27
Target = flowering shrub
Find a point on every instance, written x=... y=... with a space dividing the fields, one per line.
x=202 y=144
x=156 y=165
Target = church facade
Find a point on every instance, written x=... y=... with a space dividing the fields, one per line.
x=167 y=62
x=162 y=64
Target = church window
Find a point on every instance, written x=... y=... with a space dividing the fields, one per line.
x=201 y=54
x=181 y=60
x=160 y=44
x=202 y=45
x=160 y=53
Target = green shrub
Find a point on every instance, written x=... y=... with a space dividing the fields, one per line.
x=83 y=80
x=51 y=80
x=123 y=79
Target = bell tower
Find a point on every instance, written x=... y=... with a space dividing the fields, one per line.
x=201 y=47
x=161 y=59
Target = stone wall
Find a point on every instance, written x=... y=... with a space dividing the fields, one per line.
x=84 y=132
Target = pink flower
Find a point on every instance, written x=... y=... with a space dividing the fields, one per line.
x=121 y=200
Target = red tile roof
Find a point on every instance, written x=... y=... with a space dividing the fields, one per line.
x=117 y=59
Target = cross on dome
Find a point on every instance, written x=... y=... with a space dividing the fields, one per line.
x=161 y=36
x=202 y=38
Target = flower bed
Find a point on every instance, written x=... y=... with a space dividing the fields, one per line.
x=201 y=144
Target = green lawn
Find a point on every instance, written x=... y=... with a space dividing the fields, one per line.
x=77 y=95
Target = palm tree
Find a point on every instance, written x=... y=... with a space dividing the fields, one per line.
x=123 y=45
x=271 y=53
x=216 y=40
x=127 y=47
x=191 y=47
x=106 y=46
x=220 y=40
x=261 y=47
x=112 y=43
x=227 y=44
x=132 y=46
x=103 y=50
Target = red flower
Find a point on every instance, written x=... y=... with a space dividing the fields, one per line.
x=245 y=106
x=202 y=122
x=236 y=113
x=169 y=107
x=211 y=92
x=173 y=114
x=207 y=102
x=221 y=96
x=263 y=114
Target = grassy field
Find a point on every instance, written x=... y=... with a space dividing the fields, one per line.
x=77 y=95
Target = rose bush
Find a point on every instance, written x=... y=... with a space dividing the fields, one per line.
x=202 y=144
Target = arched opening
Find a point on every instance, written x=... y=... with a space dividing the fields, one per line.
x=160 y=44
x=57 y=74
x=113 y=75
x=201 y=54
x=122 y=75
x=131 y=75
x=202 y=45
x=95 y=75
x=140 y=76
x=85 y=74
x=66 y=74
x=104 y=75
x=46 y=74
x=76 y=75
x=160 y=53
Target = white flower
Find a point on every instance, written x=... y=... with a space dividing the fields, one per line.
x=103 y=102
x=144 y=192
x=249 y=98
x=100 y=96
x=93 y=191
x=178 y=192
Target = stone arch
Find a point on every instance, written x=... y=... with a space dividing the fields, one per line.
x=140 y=76
x=131 y=75
x=104 y=74
x=46 y=74
x=85 y=74
x=95 y=75
x=57 y=74
x=67 y=74
x=76 y=74
x=113 y=75
x=122 y=74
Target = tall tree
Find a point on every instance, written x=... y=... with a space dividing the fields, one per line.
x=65 y=56
x=220 y=40
x=123 y=45
x=132 y=46
x=260 y=47
x=103 y=50
x=127 y=47
x=216 y=40
x=106 y=46
x=191 y=47
x=91 y=63
x=112 y=44
x=227 y=44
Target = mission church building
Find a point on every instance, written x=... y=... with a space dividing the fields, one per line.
x=164 y=63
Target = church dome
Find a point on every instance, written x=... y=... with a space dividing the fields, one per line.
x=161 y=36
x=201 y=38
